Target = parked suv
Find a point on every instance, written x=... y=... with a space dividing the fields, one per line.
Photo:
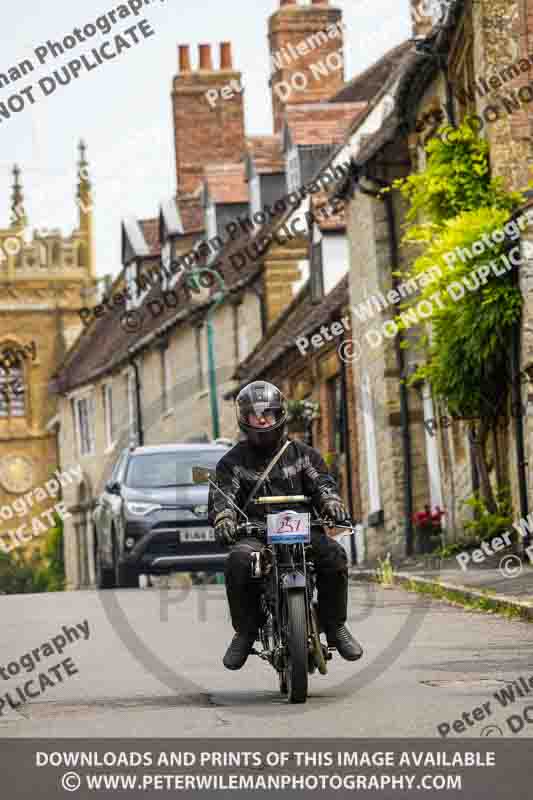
x=152 y=517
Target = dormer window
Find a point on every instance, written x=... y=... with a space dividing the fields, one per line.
x=211 y=220
x=293 y=170
x=255 y=194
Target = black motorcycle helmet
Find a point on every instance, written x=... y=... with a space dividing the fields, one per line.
x=262 y=399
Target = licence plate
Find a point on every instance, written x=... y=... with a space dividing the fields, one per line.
x=288 y=527
x=197 y=535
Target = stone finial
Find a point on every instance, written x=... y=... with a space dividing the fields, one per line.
x=18 y=214
x=83 y=168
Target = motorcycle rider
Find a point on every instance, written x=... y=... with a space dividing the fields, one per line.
x=262 y=416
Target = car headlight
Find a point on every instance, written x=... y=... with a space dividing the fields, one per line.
x=200 y=510
x=142 y=508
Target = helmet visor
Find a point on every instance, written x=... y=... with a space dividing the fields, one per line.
x=262 y=416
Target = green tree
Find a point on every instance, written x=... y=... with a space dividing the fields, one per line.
x=453 y=203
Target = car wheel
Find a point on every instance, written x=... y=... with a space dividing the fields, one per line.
x=126 y=577
x=105 y=577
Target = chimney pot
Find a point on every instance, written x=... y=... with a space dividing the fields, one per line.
x=185 y=58
x=320 y=2
x=204 y=52
x=225 y=55
x=287 y=3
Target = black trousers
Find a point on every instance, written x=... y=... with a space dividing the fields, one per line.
x=244 y=592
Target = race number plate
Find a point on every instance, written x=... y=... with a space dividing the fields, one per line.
x=288 y=527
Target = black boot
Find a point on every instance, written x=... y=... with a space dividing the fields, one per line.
x=341 y=638
x=238 y=651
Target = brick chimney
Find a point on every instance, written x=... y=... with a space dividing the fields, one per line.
x=306 y=44
x=421 y=21
x=207 y=126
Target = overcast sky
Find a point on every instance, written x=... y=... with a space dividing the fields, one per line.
x=122 y=109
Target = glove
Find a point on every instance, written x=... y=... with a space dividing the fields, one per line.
x=226 y=528
x=333 y=509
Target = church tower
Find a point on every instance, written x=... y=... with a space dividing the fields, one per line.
x=45 y=280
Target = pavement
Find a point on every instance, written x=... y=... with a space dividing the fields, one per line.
x=506 y=580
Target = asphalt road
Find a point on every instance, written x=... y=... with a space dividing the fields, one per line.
x=152 y=667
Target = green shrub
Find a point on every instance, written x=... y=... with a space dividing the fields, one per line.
x=41 y=571
x=484 y=525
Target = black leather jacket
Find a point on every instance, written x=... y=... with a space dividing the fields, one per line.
x=300 y=470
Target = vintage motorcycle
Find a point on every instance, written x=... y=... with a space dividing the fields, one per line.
x=290 y=635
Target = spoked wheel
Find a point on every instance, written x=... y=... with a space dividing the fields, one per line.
x=318 y=652
x=297 y=646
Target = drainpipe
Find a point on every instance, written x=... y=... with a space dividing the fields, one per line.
x=346 y=435
x=400 y=361
x=516 y=404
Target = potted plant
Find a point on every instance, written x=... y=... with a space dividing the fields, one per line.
x=301 y=413
x=428 y=529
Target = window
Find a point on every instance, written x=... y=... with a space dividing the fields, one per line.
x=84 y=425
x=374 y=500
x=336 y=415
x=165 y=469
x=317 y=266
x=109 y=421
x=137 y=283
x=165 y=376
x=12 y=390
x=166 y=259
x=255 y=194
x=82 y=257
x=211 y=219
x=293 y=170
x=132 y=407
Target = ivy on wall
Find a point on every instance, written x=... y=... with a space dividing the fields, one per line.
x=453 y=203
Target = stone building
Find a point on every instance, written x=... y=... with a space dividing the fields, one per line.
x=44 y=282
x=468 y=58
x=286 y=357
x=158 y=366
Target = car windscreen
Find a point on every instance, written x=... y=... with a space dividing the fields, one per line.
x=157 y=470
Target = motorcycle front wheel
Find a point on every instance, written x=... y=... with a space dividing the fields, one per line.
x=297 y=645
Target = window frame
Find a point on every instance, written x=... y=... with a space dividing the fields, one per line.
x=109 y=421
x=90 y=440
